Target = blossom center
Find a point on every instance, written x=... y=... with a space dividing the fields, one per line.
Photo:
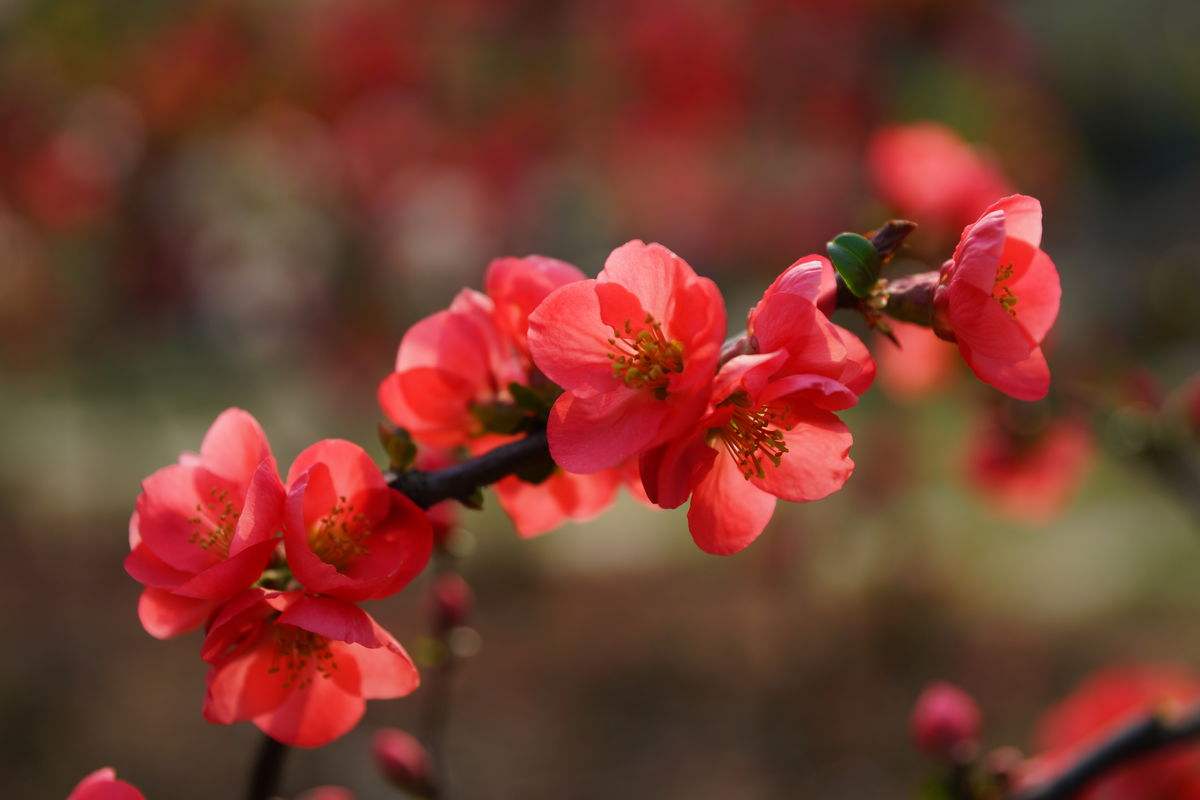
x=1004 y=294
x=338 y=536
x=645 y=359
x=298 y=654
x=751 y=437
x=214 y=536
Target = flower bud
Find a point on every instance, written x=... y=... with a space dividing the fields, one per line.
x=404 y=762
x=327 y=793
x=452 y=601
x=945 y=722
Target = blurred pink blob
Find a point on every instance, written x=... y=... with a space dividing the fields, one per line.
x=103 y=785
x=1029 y=476
x=403 y=761
x=927 y=171
x=945 y=721
x=922 y=363
x=1105 y=703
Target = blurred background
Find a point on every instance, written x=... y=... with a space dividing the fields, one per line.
x=209 y=204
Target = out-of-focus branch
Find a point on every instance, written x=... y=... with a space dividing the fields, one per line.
x=268 y=769
x=1152 y=734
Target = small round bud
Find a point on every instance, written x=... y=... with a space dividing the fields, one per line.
x=404 y=762
x=945 y=722
x=327 y=793
x=452 y=601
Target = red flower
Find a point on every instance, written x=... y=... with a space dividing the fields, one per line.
x=999 y=296
x=921 y=364
x=635 y=351
x=347 y=534
x=1029 y=476
x=103 y=785
x=459 y=360
x=925 y=170
x=1105 y=703
x=769 y=433
x=404 y=762
x=205 y=528
x=300 y=667
x=945 y=721
x=466 y=356
x=793 y=315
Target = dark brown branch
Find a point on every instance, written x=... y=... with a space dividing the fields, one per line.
x=1152 y=734
x=268 y=769
x=461 y=481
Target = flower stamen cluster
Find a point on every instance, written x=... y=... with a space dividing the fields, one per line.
x=295 y=649
x=645 y=359
x=337 y=536
x=216 y=536
x=749 y=438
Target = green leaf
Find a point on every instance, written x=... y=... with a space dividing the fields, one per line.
x=399 y=446
x=856 y=261
x=504 y=418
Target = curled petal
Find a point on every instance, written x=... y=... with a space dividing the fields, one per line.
x=727 y=512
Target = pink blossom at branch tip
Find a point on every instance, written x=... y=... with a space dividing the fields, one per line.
x=467 y=355
x=346 y=533
x=300 y=667
x=945 y=722
x=634 y=350
x=921 y=365
x=999 y=296
x=1106 y=702
x=203 y=529
x=103 y=785
x=927 y=172
x=1029 y=476
x=403 y=761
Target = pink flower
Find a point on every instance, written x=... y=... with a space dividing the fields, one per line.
x=1104 y=704
x=327 y=793
x=300 y=667
x=635 y=351
x=793 y=315
x=925 y=170
x=103 y=785
x=1029 y=476
x=539 y=508
x=769 y=433
x=346 y=533
x=945 y=721
x=205 y=528
x=999 y=297
x=456 y=360
x=403 y=761
x=921 y=364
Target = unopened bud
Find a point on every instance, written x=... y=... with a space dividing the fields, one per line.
x=327 y=793
x=404 y=762
x=452 y=601
x=945 y=722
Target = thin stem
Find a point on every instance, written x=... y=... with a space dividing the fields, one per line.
x=1143 y=737
x=435 y=710
x=268 y=770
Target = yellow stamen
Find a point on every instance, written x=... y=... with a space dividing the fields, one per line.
x=1004 y=294
x=750 y=438
x=298 y=654
x=337 y=536
x=645 y=359
x=207 y=535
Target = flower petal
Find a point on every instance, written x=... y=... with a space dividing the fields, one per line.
x=727 y=512
x=1027 y=379
x=234 y=446
x=164 y=615
x=569 y=341
x=817 y=462
x=590 y=434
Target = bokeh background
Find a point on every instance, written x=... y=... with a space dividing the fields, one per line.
x=206 y=204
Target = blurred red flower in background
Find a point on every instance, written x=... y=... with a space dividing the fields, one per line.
x=1102 y=705
x=103 y=785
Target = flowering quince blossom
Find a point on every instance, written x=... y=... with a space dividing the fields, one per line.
x=462 y=359
x=103 y=785
x=300 y=667
x=927 y=171
x=1104 y=704
x=999 y=297
x=635 y=351
x=347 y=534
x=769 y=430
x=203 y=529
x=1032 y=477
